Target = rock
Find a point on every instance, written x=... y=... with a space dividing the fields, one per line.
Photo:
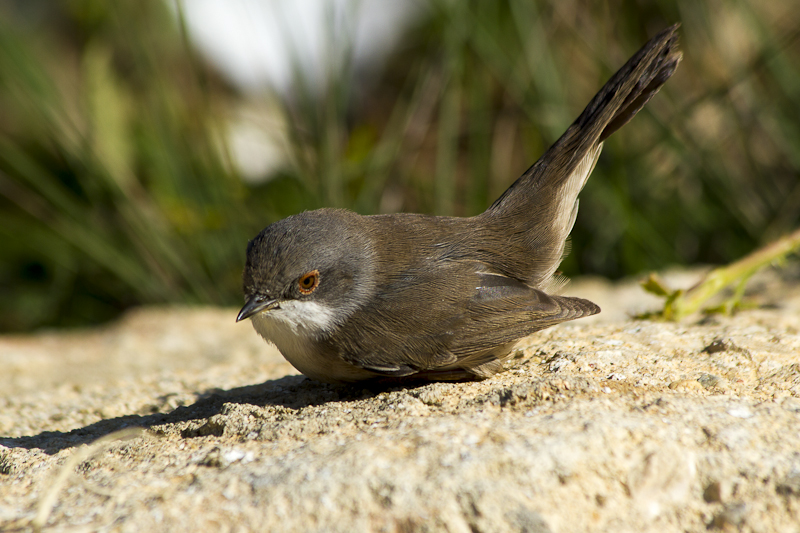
x=733 y=514
x=615 y=425
x=790 y=486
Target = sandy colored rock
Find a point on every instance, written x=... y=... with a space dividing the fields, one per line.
x=610 y=424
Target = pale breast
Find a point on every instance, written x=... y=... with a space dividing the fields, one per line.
x=295 y=329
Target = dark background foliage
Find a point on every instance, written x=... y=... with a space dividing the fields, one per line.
x=117 y=188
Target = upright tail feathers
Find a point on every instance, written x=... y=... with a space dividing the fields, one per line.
x=539 y=209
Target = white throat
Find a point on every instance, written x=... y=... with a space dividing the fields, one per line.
x=306 y=319
x=294 y=328
x=297 y=328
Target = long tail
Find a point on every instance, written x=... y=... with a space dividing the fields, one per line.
x=539 y=209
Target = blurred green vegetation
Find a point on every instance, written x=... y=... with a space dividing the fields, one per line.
x=117 y=187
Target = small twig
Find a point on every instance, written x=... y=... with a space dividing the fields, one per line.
x=48 y=501
x=682 y=303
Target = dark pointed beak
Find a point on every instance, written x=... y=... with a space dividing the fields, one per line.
x=254 y=305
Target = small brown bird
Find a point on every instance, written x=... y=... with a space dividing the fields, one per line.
x=347 y=297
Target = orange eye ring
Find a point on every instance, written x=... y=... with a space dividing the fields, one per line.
x=308 y=282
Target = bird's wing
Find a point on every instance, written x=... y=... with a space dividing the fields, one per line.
x=502 y=311
x=409 y=324
x=457 y=318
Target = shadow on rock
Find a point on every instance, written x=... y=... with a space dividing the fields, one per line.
x=292 y=392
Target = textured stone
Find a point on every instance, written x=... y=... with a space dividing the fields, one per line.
x=609 y=424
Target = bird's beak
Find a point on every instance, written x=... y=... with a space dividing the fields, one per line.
x=254 y=305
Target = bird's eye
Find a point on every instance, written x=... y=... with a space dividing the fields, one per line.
x=308 y=282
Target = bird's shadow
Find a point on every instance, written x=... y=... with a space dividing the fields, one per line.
x=294 y=392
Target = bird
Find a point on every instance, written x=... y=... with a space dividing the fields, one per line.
x=347 y=298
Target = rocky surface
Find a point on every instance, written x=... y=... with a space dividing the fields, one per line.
x=609 y=424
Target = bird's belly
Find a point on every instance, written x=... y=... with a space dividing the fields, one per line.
x=299 y=346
